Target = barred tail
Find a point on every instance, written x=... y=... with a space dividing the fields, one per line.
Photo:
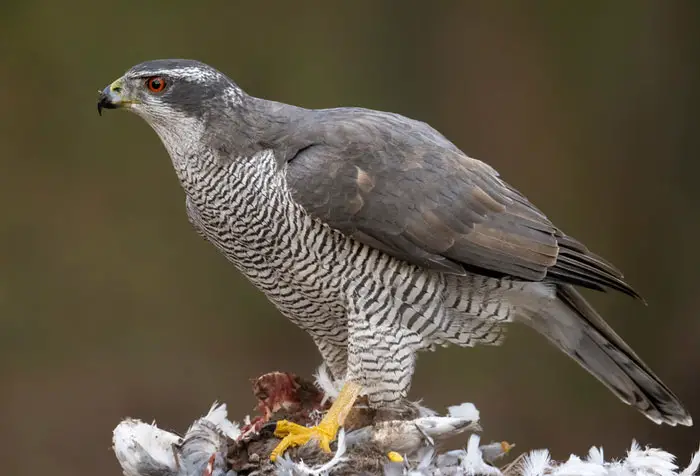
x=573 y=326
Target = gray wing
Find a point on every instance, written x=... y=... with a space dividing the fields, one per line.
x=398 y=185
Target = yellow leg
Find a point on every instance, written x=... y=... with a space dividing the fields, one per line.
x=326 y=431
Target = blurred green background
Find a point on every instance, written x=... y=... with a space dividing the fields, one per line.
x=112 y=306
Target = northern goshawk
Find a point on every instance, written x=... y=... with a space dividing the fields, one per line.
x=377 y=236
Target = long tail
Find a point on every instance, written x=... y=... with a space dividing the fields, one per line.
x=572 y=325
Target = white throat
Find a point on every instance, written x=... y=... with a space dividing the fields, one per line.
x=181 y=138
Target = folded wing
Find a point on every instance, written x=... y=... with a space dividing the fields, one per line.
x=398 y=185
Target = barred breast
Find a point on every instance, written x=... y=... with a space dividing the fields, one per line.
x=309 y=270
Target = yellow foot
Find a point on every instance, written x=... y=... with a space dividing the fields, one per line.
x=293 y=434
x=297 y=435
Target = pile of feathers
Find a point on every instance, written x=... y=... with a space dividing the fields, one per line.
x=215 y=446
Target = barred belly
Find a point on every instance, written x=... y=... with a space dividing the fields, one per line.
x=318 y=277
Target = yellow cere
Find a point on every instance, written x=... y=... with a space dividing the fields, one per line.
x=116 y=85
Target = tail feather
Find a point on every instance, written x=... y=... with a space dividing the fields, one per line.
x=575 y=327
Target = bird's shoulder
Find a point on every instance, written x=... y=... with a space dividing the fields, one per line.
x=348 y=130
x=386 y=156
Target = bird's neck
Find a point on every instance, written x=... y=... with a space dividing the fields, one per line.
x=230 y=135
x=269 y=125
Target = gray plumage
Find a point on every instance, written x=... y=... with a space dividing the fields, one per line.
x=377 y=235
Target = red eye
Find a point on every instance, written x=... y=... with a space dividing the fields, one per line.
x=155 y=84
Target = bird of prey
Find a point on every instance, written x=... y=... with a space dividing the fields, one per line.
x=377 y=236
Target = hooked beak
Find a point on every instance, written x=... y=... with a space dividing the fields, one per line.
x=111 y=97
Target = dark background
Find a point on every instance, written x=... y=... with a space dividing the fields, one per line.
x=112 y=306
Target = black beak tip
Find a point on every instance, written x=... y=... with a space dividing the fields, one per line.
x=104 y=102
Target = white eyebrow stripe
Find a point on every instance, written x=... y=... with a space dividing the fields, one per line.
x=190 y=72
x=231 y=94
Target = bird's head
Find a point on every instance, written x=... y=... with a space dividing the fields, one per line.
x=192 y=106
x=176 y=97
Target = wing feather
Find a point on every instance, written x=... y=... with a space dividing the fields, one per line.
x=398 y=185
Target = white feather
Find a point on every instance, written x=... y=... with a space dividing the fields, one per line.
x=693 y=466
x=649 y=461
x=466 y=411
x=473 y=462
x=287 y=466
x=595 y=455
x=132 y=438
x=325 y=382
x=425 y=458
x=442 y=427
x=536 y=463
x=574 y=466
x=218 y=415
